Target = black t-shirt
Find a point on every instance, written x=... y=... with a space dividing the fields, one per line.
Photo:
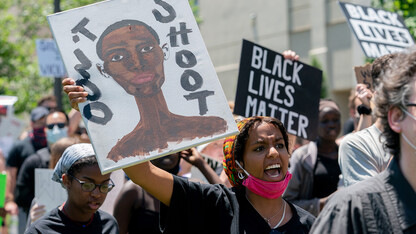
x=25 y=184
x=56 y=222
x=326 y=176
x=204 y=208
x=19 y=152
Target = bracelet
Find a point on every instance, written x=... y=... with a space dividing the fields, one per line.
x=363 y=110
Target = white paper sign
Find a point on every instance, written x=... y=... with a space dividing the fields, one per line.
x=48 y=192
x=50 y=62
x=153 y=88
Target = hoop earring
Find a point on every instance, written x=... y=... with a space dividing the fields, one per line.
x=240 y=175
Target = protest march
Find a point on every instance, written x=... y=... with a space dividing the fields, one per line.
x=177 y=116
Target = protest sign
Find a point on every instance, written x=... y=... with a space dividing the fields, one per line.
x=363 y=75
x=379 y=32
x=269 y=85
x=10 y=129
x=49 y=59
x=6 y=105
x=48 y=192
x=152 y=87
x=3 y=180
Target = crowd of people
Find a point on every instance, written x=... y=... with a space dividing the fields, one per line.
x=362 y=182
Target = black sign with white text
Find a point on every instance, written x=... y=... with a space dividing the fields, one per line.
x=379 y=32
x=269 y=85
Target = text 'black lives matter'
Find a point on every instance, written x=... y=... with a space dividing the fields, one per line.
x=378 y=32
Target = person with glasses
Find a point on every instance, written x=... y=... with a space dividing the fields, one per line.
x=385 y=203
x=78 y=172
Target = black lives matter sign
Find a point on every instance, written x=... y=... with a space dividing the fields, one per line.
x=269 y=85
x=379 y=32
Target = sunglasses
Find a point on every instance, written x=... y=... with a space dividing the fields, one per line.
x=60 y=125
x=89 y=186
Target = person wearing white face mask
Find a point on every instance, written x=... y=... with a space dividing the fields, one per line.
x=55 y=129
x=385 y=203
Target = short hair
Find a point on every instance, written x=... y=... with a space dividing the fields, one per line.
x=46 y=98
x=394 y=91
x=58 y=148
x=379 y=66
x=58 y=111
x=121 y=24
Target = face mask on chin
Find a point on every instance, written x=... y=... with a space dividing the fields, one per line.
x=404 y=136
x=55 y=134
x=266 y=189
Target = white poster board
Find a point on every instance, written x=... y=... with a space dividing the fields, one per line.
x=48 y=192
x=152 y=87
x=10 y=126
x=378 y=32
x=50 y=62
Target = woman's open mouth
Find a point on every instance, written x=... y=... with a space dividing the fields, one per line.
x=273 y=170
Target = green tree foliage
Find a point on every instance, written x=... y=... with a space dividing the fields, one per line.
x=22 y=22
x=405 y=8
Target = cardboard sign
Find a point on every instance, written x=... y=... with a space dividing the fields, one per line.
x=363 y=75
x=48 y=192
x=50 y=62
x=378 y=32
x=269 y=85
x=153 y=88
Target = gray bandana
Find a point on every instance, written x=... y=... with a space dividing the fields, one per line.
x=69 y=157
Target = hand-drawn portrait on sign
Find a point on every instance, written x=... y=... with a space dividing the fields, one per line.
x=152 y=87
x=133 y=57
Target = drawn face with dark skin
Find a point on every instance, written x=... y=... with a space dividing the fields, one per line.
x=133 y=57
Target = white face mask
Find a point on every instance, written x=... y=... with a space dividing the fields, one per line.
x=404 y=136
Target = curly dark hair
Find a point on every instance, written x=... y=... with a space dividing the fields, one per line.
x=379 y=66
x=81 y=163
x=394 y=91
x=241 y=139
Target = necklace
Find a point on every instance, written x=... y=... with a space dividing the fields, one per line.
x=283 y=216
x=268 y=219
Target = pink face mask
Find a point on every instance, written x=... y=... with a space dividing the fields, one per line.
x=266 y=189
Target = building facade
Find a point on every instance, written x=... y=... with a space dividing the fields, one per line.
x=312 y=28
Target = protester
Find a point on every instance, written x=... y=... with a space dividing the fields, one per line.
x=351 y=124
x=362 y=155
x=56 y=128
x=315 y=166
x=57 y=149
x=253 y=205
x=22 y=149
x=136 y=211
x=385 y=203
x=78 y=172
x=48 y=101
